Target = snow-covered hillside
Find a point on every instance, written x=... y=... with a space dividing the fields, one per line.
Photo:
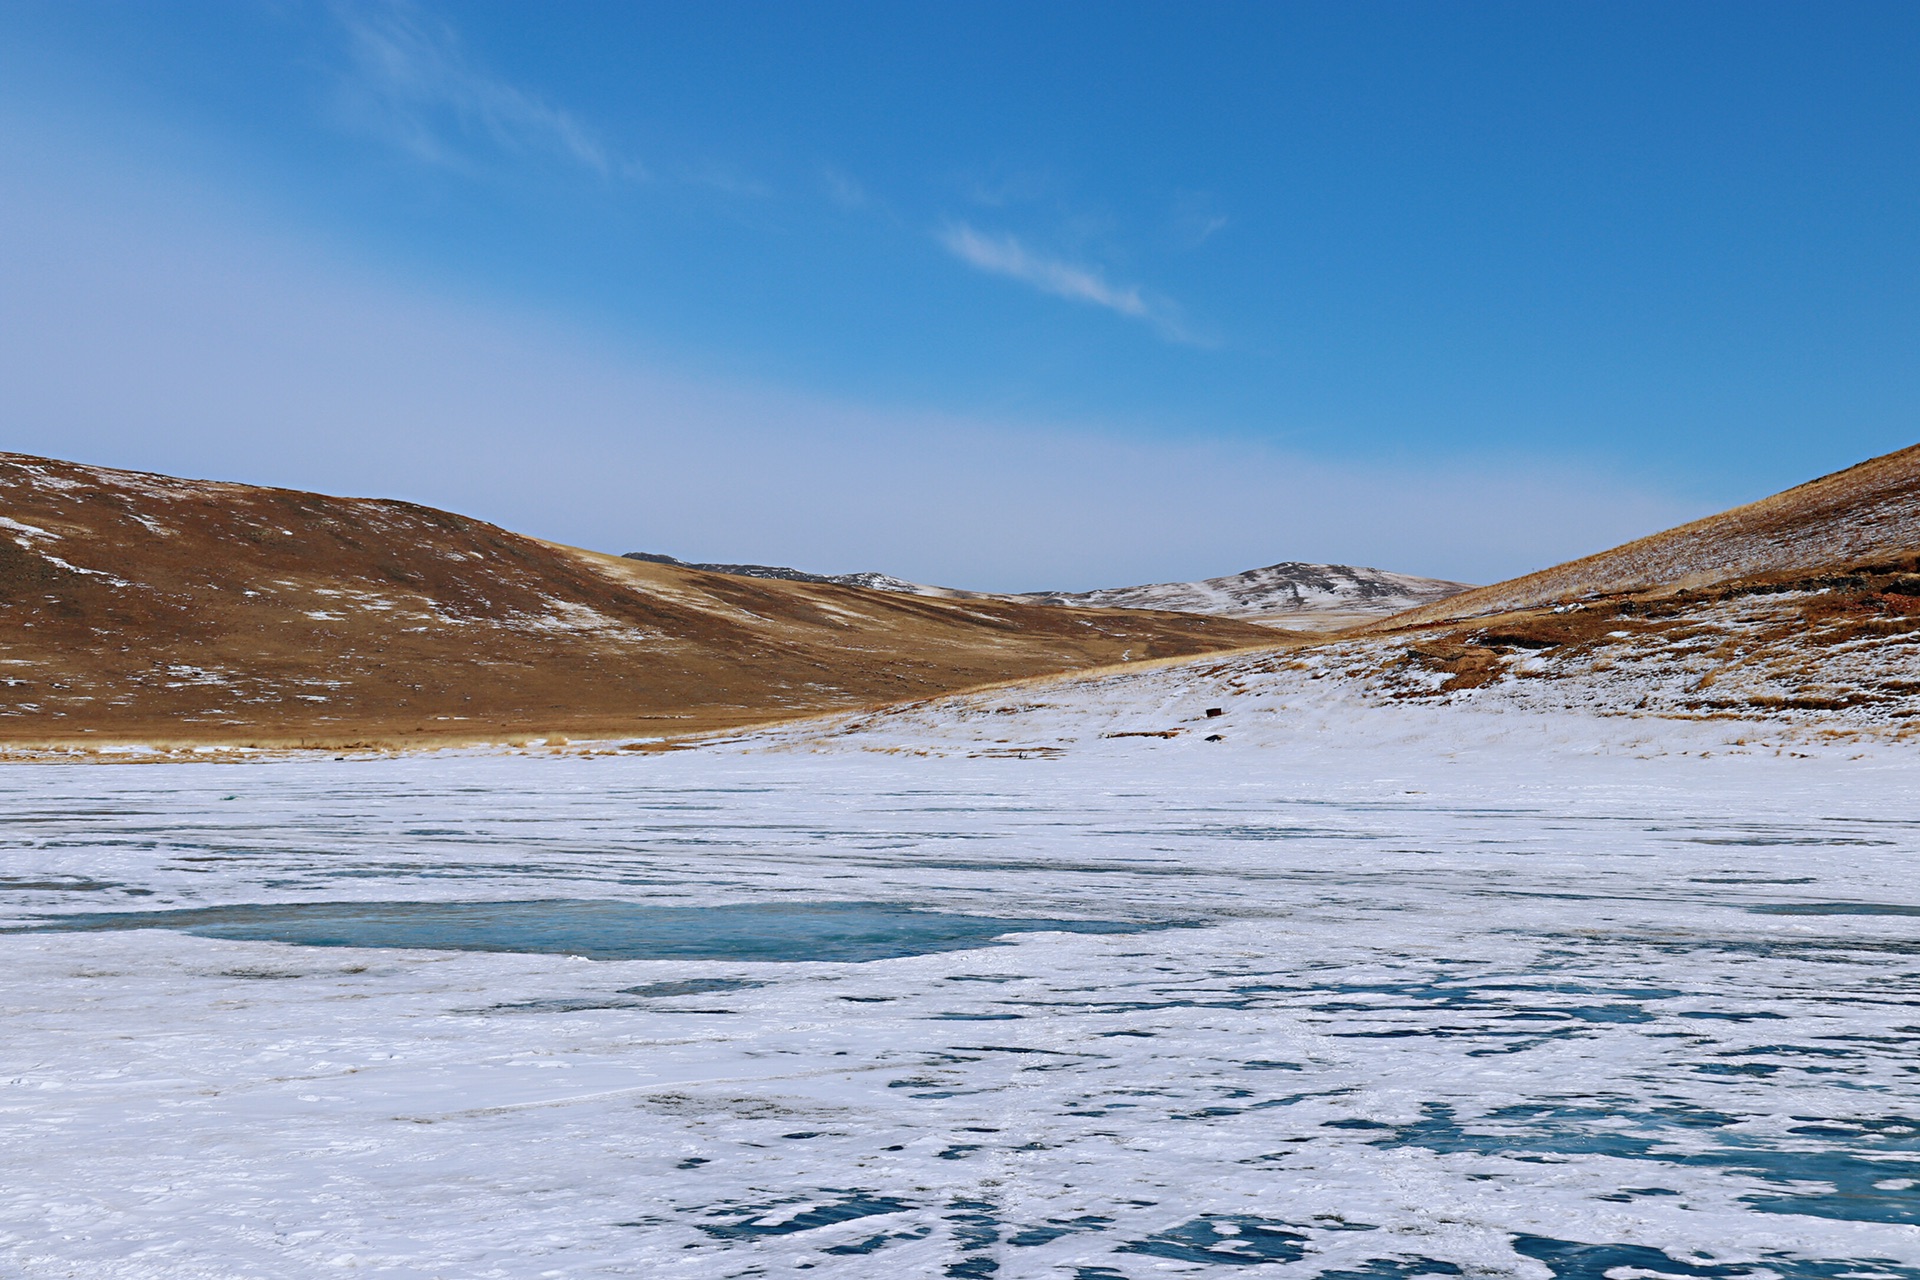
x=1308 y=597
x=1314 y=597
x=1781 y=668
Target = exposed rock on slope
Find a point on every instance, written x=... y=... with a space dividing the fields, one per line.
x=140 y=606
x=1316 y=597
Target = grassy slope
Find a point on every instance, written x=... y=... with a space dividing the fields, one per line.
x=140 y=606
x=1866 y=514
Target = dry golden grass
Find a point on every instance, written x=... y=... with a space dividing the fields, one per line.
x=1823 y=641
x=1827 y=566
x=1864 y=515
x=136 y=607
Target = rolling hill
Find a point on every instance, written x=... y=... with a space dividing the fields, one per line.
x=1806 y=602
x=142 y=607
x=1796 y=616
x=1867 y=513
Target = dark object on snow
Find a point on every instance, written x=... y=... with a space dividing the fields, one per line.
x=1215 y=711
x=1215 y=737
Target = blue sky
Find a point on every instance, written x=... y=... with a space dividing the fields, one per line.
x=1001 y=295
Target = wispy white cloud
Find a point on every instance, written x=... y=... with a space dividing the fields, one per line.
x=1196 y=220
x=843 y=189
x=1006 y=255
x=1201 y=229
x=413 y=82
x=727 y=179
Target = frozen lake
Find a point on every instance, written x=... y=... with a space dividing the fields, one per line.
x=1138 y=1011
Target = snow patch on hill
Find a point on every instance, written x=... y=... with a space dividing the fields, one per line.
x=1747 y=673
x=1316 y=597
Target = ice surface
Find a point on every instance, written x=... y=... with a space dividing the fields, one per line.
x=1451 y=1007
x=592 y=930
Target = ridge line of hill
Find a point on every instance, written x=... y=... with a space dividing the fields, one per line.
x=1868 y=511
x=1291 y=594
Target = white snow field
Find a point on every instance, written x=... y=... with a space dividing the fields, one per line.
x=1446 y=992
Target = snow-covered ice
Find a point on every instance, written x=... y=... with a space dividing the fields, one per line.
x=1516 y=1006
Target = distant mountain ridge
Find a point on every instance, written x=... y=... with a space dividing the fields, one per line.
x=1313 y=597
x=781 y=573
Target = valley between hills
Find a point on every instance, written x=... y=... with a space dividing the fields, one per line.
x=168 y=614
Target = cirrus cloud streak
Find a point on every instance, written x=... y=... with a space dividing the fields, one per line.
x=1006 y=255
x=413 y=84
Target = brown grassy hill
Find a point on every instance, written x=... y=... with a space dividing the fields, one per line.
x=1798 y=616
x=1864 y=515
x=141 y=607
x=1805 y=604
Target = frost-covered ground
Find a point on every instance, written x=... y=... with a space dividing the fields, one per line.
x=1744 y=673
x=1450 y=992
